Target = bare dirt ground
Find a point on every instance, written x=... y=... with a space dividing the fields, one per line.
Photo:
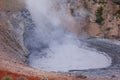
x=12 y=63
x=17 y=71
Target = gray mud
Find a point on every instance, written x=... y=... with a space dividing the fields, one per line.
x=111 y=49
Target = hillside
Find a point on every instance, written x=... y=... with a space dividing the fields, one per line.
x=101 y=21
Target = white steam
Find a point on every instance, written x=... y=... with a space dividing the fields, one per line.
x=54 y=47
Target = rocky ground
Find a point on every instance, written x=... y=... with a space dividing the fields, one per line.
x=103 y=19
x=110 y=48
x=13 y=54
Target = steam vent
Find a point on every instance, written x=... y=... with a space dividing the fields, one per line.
x=59 y=39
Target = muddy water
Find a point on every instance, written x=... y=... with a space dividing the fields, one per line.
x=52 y=43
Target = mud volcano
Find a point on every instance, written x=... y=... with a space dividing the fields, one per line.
x=53 y=45
x=44 y=36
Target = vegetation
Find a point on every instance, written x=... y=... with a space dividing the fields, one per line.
x=21 y=78
x=44 y=78
x=102 y=2
x=117 y=13
x=95 y=1
x=81 y=76
x=108 y=29
x=99 y=13
x=85 y=5
x=6 y=78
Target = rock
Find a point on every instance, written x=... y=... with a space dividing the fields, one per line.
x=11 y=5
x=94 y=30
x=110 y=15
x=113 y=33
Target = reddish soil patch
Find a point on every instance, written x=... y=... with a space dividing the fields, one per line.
x=14 y=76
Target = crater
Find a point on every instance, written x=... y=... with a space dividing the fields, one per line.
x=40 y=43
x=53 y=47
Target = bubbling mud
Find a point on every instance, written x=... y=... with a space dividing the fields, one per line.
x=54 y=44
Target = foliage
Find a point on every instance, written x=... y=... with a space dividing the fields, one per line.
x=102 y=1
x=44 y=78
x=95 y=1
x=6 y=78
x=99 y=13
x=21 y=78
x=117 y=13
x=81 y=76
x=108 y=29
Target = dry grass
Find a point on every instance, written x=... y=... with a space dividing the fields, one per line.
x=11 y=5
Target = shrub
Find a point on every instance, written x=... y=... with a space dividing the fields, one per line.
x=81 y=76
x=99 y=13
x=102 y=2
x=22 y=78
x=44 y=78
x=6 y=78
x=108 y=29
x=95 y=1
x=117 y=13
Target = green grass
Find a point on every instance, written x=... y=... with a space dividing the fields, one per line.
x=6 y=78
